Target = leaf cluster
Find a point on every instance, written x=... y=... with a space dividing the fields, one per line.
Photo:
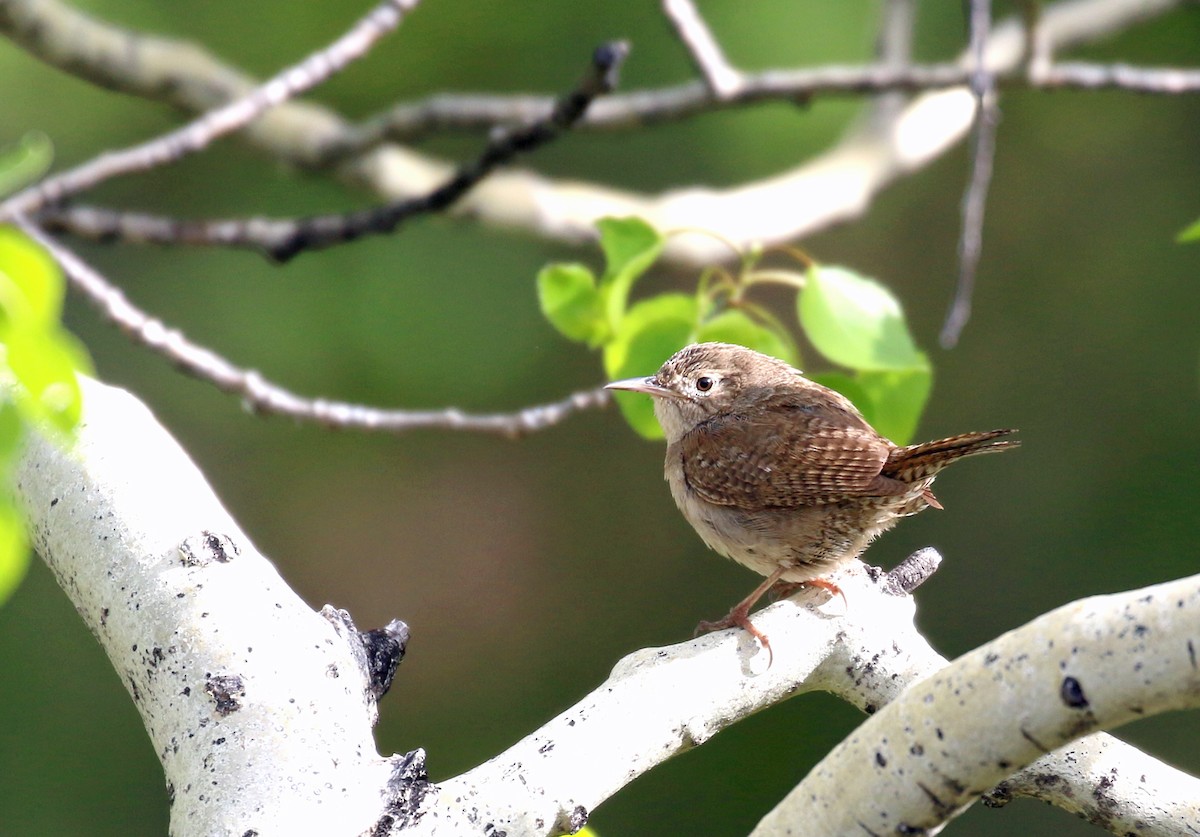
x=851 y=320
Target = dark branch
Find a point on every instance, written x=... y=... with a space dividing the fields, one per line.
x=263 y=396
x=282 y=238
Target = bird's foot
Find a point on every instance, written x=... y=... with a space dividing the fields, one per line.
x=739 y=617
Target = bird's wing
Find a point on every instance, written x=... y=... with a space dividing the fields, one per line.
x=784 y=456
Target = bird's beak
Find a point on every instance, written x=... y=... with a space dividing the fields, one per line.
x=650 y=386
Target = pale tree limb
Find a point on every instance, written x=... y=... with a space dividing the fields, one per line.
x=201 y=132
x=261 y=395
x=233 y=674
x=259 y=709
x=943 y=742
x=829 y=189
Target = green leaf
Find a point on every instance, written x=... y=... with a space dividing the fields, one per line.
x=734 y=326
x=44 y=364
x=1191 y=233
x=855 y=321
x=14 y=548
x=630 y=246
x=25 y=161
x=897 y=401
x=569 y=300
x=652 y=331
x=31 y=286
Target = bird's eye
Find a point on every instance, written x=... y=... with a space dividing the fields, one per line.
x=704 y=383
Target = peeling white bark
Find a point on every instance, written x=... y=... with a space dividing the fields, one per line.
x=256 y=705
x=1096 y=663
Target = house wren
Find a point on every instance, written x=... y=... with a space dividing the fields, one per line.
x=781 y=474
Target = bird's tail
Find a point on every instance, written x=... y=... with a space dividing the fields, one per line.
x=916 y=462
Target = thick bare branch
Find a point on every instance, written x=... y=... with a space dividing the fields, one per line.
x=1093 y=664
x=259 y=709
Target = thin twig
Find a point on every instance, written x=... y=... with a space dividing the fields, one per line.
x=477 y=112
x=200 y=132
x=1081 y=76
x=722 y=79
x=983 y=153
x=262 y=396
x=283 y=238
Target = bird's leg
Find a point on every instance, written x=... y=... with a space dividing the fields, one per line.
x=786 y=588
x=740 y=615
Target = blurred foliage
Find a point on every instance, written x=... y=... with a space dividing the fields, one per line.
x=850 y=319
x=1191 y=233
x=527 y=569
x=38 y=387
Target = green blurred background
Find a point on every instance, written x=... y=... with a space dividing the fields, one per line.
x=527 y=569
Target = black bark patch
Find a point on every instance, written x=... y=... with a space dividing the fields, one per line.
x=226 y=691
x=207 y=547
x=1072 y=694
x=405 y=795
x=385 y=649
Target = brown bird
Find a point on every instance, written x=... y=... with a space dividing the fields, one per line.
x=781 y=474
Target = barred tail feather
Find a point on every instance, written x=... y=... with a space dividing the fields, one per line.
x=918 y=461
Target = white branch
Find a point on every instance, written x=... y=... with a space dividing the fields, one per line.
x=261 y=710
x=1096 y=663
x=258 y=708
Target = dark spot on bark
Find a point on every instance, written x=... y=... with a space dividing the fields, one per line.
x=905 y=828
x=54 y=502
x=577 y=819
x=879 y=759
x=990 y=658
x=104 y=617
x=1192 y=653
x=934 y=798
x=870 y=709
x=405 y=794
x=917 y=750
x=385 y=649
x=226 y=691
x=545 y=748
x=1072 y=693
x=940 y=735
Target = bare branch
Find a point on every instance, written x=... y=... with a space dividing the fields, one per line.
x=282 y=239
x=983 y=153
x=262 y=396
x=198 y=134
x=1079 y=75
x=722 y=80
x=827 y=190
